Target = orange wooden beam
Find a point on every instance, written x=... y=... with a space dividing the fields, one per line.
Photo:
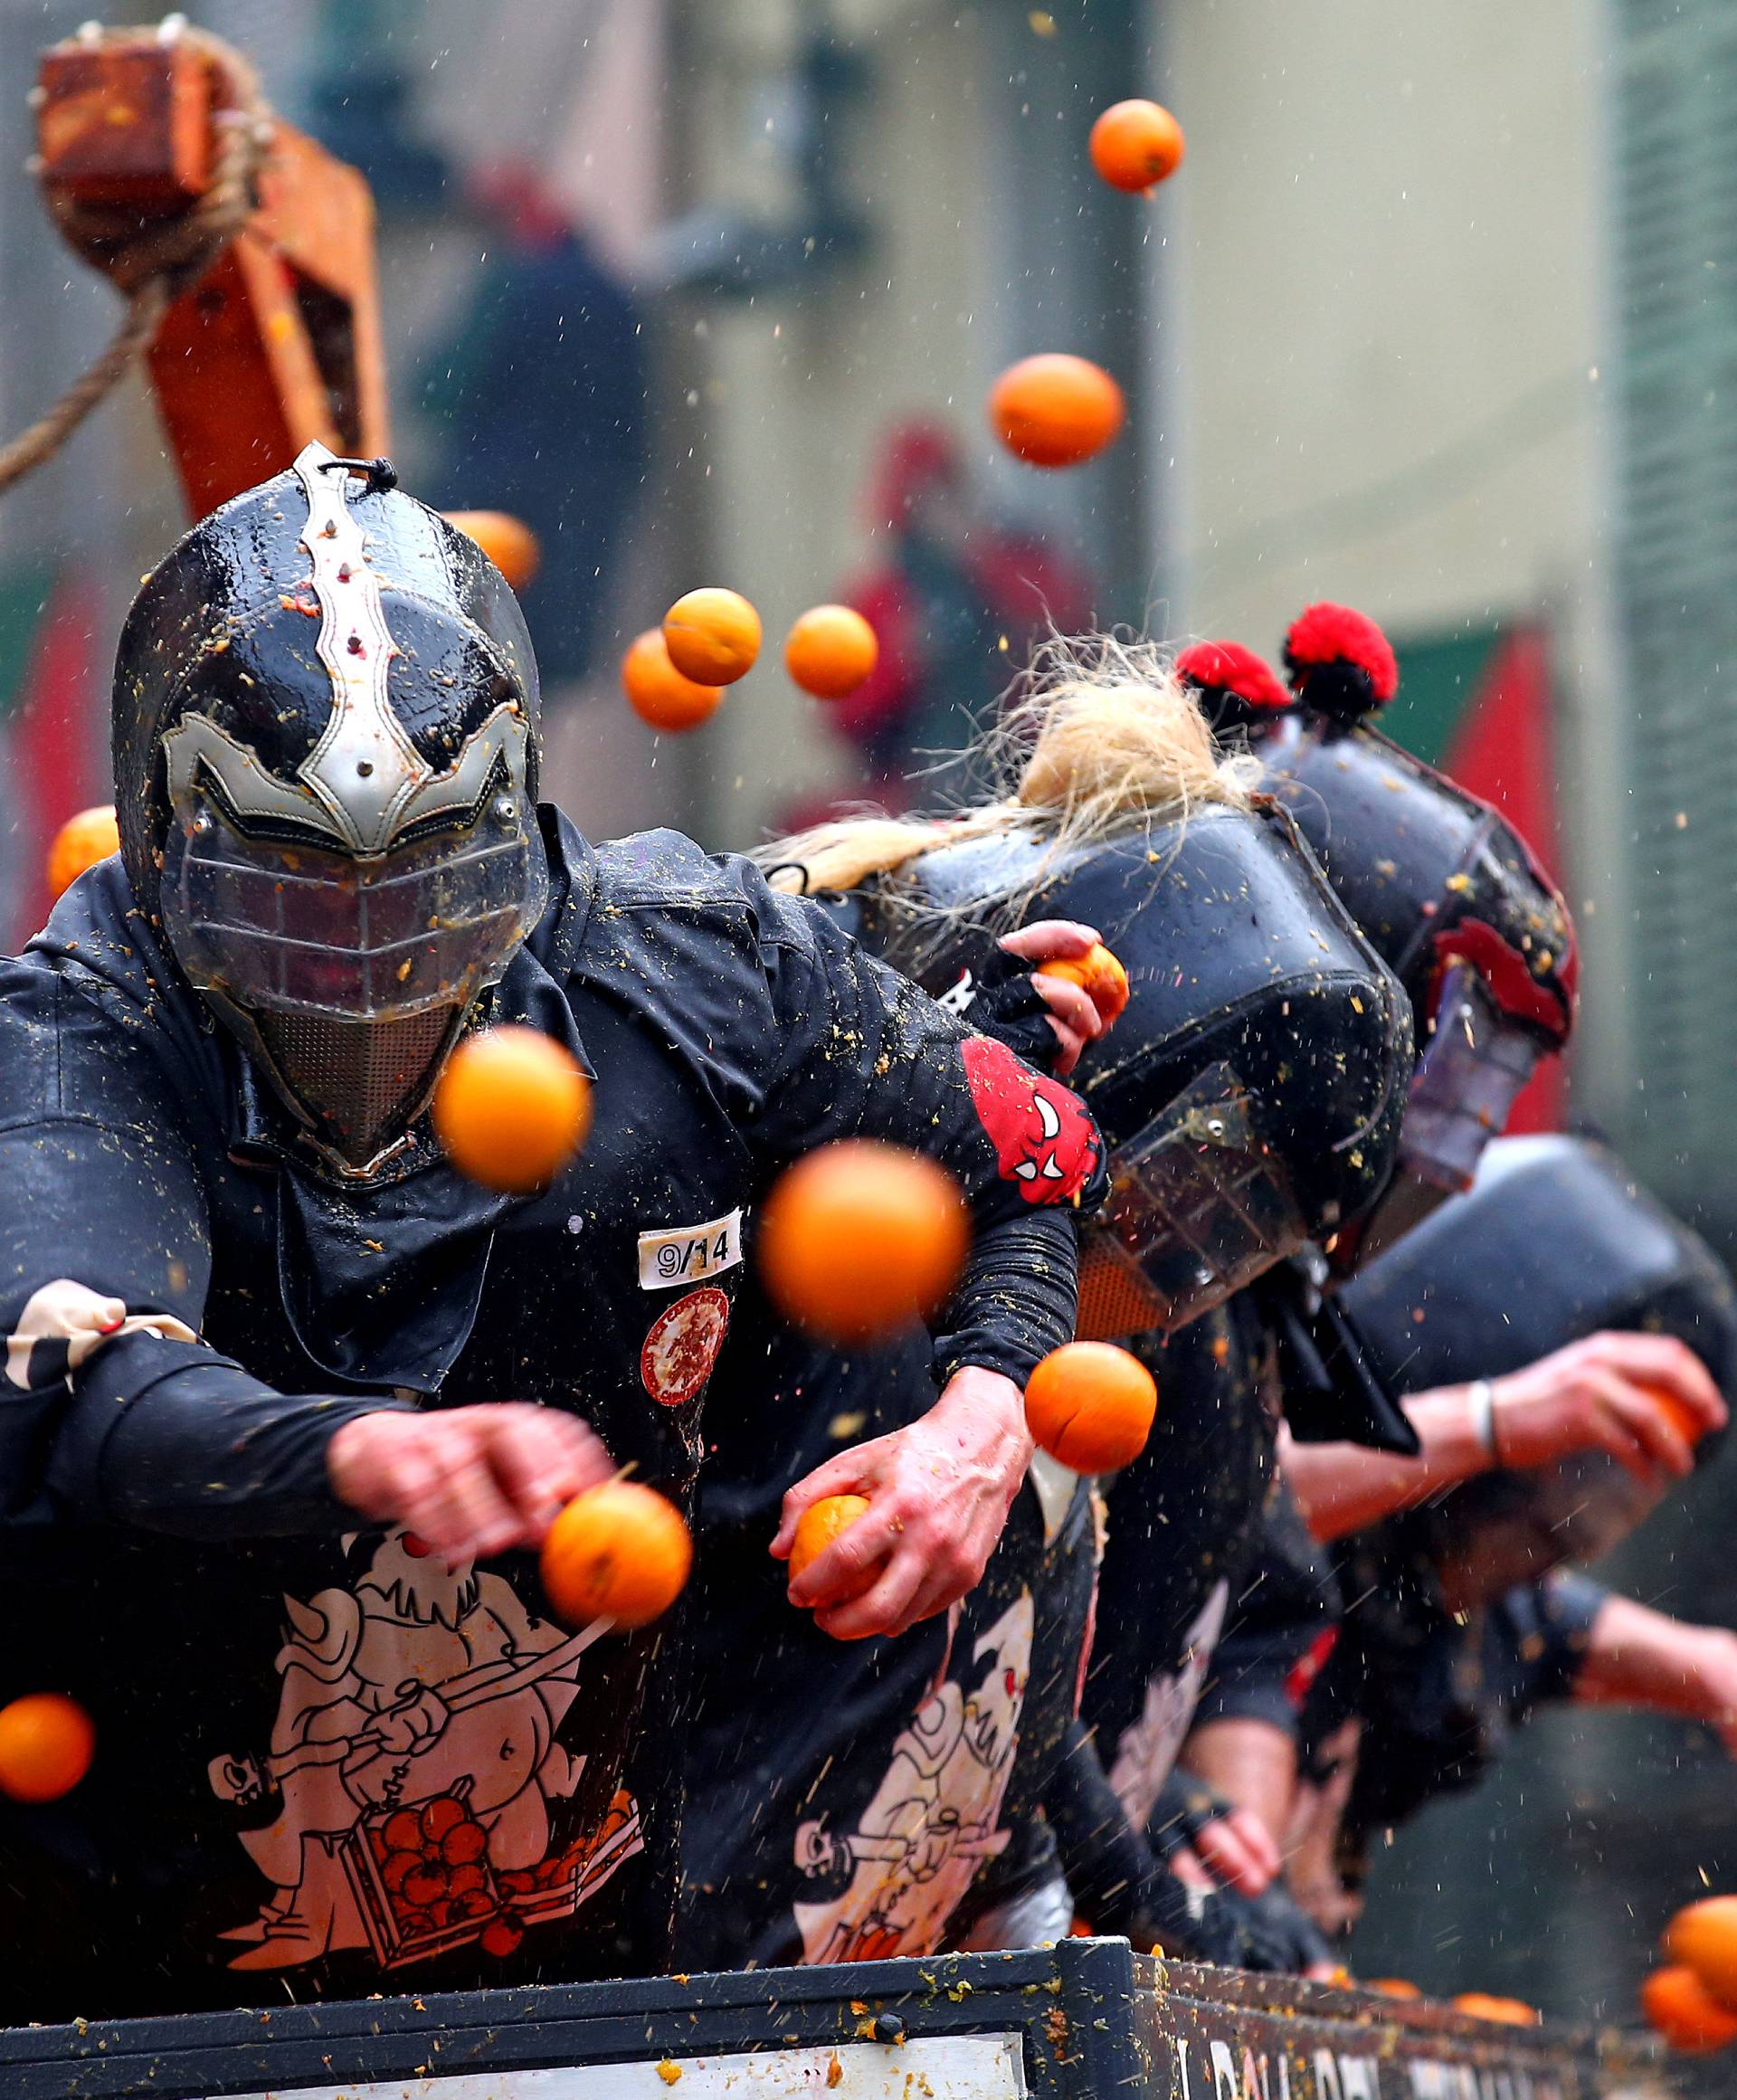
x=279 y=342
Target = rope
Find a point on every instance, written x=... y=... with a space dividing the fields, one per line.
x=154 y=262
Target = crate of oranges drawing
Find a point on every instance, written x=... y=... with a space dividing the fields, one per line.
x=424 y=1883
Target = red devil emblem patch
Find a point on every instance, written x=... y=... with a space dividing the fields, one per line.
x=1043 y=1139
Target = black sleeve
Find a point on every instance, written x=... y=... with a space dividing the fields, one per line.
x=865 y=1053
x=111 y=1409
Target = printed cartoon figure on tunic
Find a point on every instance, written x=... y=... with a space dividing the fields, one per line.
x=1147 y=1750
x=414 y=1752
x=934 y=1817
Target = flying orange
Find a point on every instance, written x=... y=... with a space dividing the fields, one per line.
x=1056 y=410
x=508 y=541
x=1703 y=1936
x=79 y=843
x=1680 y=2006
x=46 y=1744
x=512 y=1108
x=1091 y=1405
x=713 y=635
x=861 y=1240
x=1136 y=144
x=657 y=691
x=619 y=1550
x=831 y=650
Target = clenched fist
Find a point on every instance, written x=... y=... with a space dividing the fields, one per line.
x=468 y=1481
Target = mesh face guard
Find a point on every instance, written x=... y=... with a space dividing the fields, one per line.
x=348 y=976
x=1197 y=1208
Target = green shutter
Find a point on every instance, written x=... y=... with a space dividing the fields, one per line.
x=1675 y=149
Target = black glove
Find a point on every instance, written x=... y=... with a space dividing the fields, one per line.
x=1184 y=1806
x=1270 y=1932
x=1001 y=1001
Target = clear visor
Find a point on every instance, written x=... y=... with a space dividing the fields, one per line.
x=1467 y=1082
x=1463 y=1092
x=293 y=930
x=1197 y=1208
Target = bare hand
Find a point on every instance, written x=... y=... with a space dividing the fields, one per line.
x=1715 y=1686
x=1073 y=1013
x=468 y=1481
x=1591 y=1396
x=1235 y=1850
x=939 y=1492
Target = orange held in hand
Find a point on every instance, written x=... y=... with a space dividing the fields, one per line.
x=657 y=691
x=620 y=1551
x=1099 y=974
x=1688 y=1425
x=713 y=636
x=79 y=843
x=1091 y=1405
x=861 y=1240
x=1136 y=144
x=1679 y=2007
x=508 y=541
x=820 y=1524
x=1703 y=1936
x=830 y=651
x=46 y=1745
x=1056 y=410
x=512 y=1108
x=1503 y=2011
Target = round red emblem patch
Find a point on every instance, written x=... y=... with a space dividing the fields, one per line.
x=683 y=1344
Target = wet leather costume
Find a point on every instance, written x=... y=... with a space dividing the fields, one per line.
x=321 y=1751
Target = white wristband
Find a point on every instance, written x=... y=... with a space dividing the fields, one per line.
x=1480 y=1402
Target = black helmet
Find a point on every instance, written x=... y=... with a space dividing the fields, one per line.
x=326 y=753
x=1556 y=1240
x=1252 y=1092
x=1448 y=893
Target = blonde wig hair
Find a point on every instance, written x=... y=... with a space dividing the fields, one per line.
x=1100 y=737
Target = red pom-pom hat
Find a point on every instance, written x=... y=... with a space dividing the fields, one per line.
x=1232 y=684
x=1341 y=663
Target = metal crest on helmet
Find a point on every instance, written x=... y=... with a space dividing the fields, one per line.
x=364 y=782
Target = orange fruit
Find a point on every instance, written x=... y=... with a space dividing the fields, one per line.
x=657 y=691
x=508 y=541
x=1679 y=2006
x=820 y=1524
x=46 y=1745
x=1136 y=144
x=713 y=636
x=1055 y=410
x=619 y=1550
x=830 y=650
x=1703 y=1936
x=1091 y=1405
x=1503 y=2011
x=79 y=843
x=1392 y=1987
x=512 y=1108
x=1099 y=974
x=862 y=1238
x=1682 y=1418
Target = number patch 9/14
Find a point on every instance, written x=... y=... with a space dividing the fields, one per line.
x=689 y=1253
